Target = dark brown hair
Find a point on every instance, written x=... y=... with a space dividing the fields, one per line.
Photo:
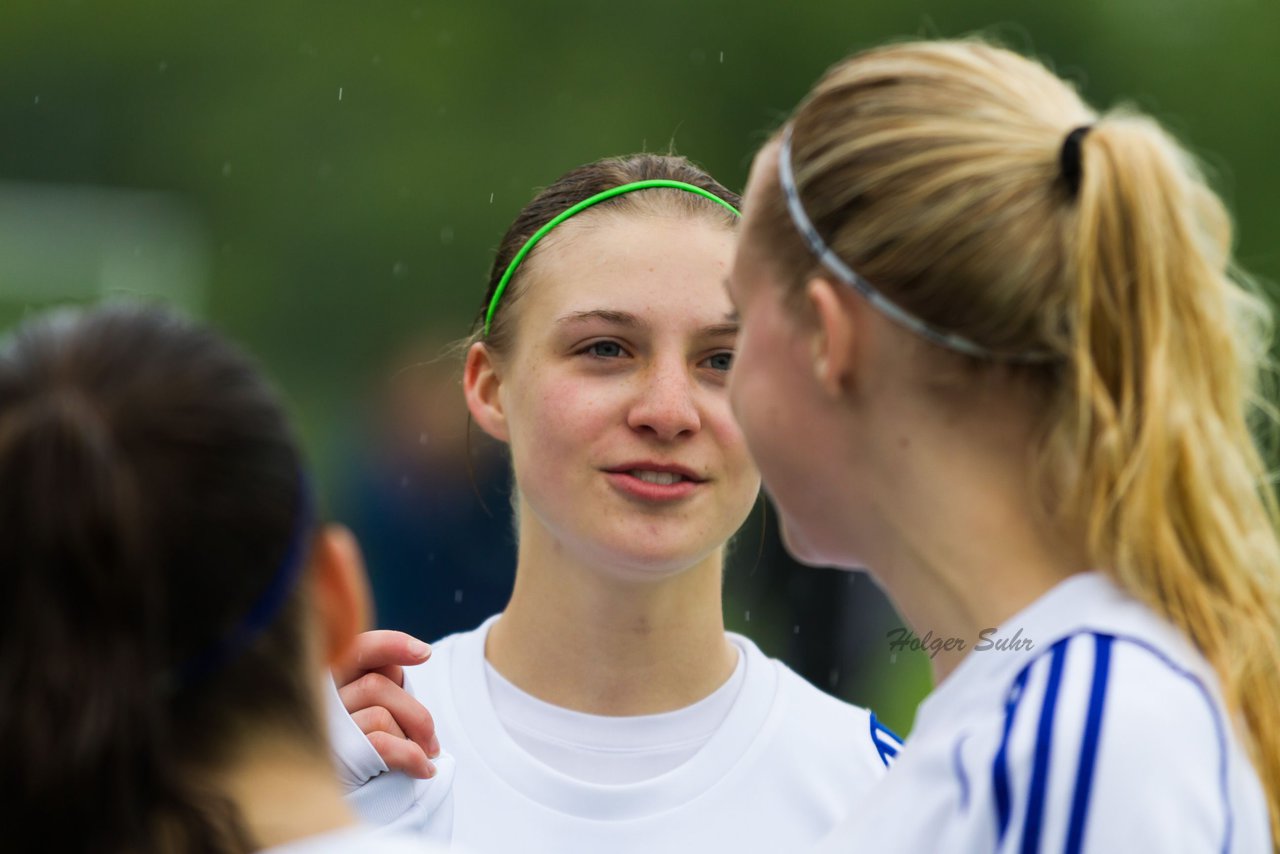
x=150 y=490
x=582 y=183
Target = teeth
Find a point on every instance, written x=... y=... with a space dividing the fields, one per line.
x=662 y=478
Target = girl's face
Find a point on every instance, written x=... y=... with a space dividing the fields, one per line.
x=796 y=436
x=613 y=398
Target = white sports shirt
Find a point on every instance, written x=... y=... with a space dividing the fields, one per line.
x=1108 y=735
x=782 y=769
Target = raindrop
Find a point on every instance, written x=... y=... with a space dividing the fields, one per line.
x=339 y=93
x=457 y=596
x=795 y=630
x=748 y=616
x=491 y=198
x=226 y=169
x=893 y=658
x=399 y=269
x=422 y=438
x=722 y=57
x=833 y=679
x=446 y=235
x=162 y=67
x=37 y=99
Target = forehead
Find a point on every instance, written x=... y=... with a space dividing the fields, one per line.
x=764 y=168
x=652 y=266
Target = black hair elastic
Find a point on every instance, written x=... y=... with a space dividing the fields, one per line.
x=1070 y=160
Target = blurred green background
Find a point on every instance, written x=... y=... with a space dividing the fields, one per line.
x=327 y=181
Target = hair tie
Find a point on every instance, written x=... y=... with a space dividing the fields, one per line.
x=263 y=611
x=1070 y=159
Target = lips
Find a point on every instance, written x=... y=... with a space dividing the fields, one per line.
x=658 y=473
x=651 y=481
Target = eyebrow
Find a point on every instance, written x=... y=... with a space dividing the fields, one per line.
x=629 y=320
x=619 y=318
x=720 y=329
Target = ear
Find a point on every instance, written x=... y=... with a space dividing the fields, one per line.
x=481 y=384
x=340 y=591
x=835 y=335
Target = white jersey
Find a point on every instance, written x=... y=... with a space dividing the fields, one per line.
x=1107 y=735
x=781 y=770
x=611 y=750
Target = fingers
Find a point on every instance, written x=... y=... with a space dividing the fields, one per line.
x=402 y=755
x=374 y=690
x=377 y=719
x=385 y=652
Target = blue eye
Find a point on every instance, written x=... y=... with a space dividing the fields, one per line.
x=720 y=361
x=605 y=349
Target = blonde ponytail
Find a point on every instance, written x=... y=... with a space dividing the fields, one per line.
x=1167 y=350
x=934 y=170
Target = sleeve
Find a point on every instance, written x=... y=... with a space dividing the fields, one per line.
x=382 y=797
x=885 y=741
x=1107 y=745
x=353 y=755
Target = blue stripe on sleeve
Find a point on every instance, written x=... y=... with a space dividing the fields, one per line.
x=1089 y=744
x=1000 y=768
x=957 y=765
x=888 y=746
x=1044 y=743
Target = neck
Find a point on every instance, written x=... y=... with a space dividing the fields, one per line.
x=284 y=791
x=593 y=639
x=966 y=552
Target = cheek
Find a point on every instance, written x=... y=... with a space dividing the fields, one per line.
x=752 y=392
x=549 y=420
x=733 y=443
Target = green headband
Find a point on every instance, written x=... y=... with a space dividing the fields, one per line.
x=579 y=208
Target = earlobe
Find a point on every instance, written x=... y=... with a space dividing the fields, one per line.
x=340 y=591
x=481 y=385
x=834 y=335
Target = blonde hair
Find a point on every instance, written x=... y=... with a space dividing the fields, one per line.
x=933 y=169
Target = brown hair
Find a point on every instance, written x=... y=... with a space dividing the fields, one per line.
x=582 y=183
x=933 y=169
x=150 y=490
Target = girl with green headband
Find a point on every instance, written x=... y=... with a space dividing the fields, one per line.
x=606 y=708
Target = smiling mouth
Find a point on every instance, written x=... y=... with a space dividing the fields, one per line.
x=661 y=478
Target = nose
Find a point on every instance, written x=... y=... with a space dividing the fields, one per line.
x=665 y=406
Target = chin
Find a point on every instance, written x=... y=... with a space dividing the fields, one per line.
x=805 y=550
x=638 y=563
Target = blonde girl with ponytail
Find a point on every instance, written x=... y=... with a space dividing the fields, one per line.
x=1025 y=370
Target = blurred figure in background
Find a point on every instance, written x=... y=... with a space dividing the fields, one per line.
x=169 y=599
x=429 y=498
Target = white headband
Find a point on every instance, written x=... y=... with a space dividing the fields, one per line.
x=894 y=312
